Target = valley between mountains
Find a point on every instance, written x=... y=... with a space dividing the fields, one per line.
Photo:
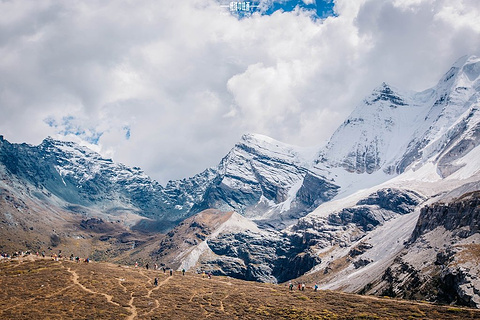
x=388 y=207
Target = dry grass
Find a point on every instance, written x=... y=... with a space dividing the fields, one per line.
x=44 y=289
x=469 y=253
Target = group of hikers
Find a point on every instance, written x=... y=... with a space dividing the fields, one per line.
x=53 y=256
x=5 y=255
x=301 y=286
x=156 y=267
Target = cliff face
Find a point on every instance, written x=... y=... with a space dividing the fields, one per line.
x=461 y=217
x=440 y=262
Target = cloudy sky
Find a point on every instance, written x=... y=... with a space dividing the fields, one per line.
x=171 y=85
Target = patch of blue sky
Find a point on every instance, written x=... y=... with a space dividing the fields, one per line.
x=319 y=9
x=69 y=126
x=127 y=132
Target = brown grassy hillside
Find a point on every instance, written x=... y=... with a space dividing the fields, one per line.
x=43 y=289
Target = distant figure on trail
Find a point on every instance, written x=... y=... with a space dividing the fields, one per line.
x=315 y=287
x=183 y=271
x=155 y=266
x=146 y=266
x=209 y=275
x=290 y=286
x=203 y=274
x=164 y=270
x=171 y=272
x=299 y=286
x=136 y=264
x=155 y=282
x=77 y=259
x=303 y=286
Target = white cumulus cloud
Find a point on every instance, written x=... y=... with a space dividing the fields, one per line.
x=171 y=85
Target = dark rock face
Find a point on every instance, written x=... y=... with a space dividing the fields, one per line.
x=313 y=192
x=363 y=217
x=462 y=217
x=387 y=94
x=395 y=200
x=262 y=258
x=377 y=208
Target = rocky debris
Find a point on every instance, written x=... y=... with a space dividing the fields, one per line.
x=361 y=263
x=359 y=249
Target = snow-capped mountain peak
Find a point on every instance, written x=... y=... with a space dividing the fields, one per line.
x=387 y=93
x=395 y=128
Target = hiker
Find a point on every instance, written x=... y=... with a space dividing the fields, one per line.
x=155 y=282
x=303 y=286
x=203 y=274
x=299 y=286
x=183 y=271
x=171 y=272
x=315 y=287
x=146 y=266
x=209 y=275
x=155 y=266
x=164 y=270
x=290 y=285
x=136 y=264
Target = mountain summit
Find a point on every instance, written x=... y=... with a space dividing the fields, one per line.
x=395 y=129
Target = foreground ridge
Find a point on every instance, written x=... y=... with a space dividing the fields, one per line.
x=33 y=288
